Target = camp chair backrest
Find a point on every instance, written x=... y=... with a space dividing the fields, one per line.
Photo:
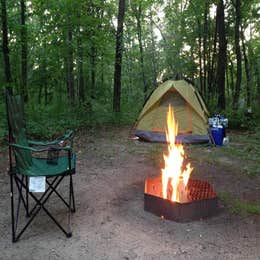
x=17 y=128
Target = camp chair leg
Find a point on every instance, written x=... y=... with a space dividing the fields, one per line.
x=12 y=207
x=15 y=219
x=39 y=205
x=69 y=210
x=18 y=204
x=20 y=198
x=56 y=222
x=27 y=224
x=72 y=195
x=15 y=237
x=56 y=192
x=27 y=197
x=71 y=183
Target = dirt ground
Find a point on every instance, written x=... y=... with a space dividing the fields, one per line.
x=110 y=222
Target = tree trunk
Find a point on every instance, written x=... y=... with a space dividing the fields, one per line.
x=138 y=13
x=93 y=55
x=153 y=51
x=211 y=76
x=23 y=52
x=118 y=56
x=205 y=47
x=129 y=69
x=102 y=72
x=232 y=84
x=238 y=54
x=81 y=91
x=200 y=60
x=70 y=74
x=129 y=65
x=40 y=94
x=43 y=87
x=45 y=93
x=227 y=82
x=222 y=55
x=8 y=77
x=257 y=84
x=247 y=70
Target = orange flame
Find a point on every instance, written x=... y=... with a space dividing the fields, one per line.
x=174 y=177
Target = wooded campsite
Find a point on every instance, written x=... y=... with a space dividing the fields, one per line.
x=92 y=66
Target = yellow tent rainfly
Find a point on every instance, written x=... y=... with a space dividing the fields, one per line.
x=189 y=110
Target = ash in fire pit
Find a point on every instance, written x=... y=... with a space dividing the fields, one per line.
x=174 y=195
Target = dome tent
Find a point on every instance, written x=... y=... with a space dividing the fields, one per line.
x=189 y=110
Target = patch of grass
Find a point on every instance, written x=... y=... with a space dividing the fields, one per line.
x=252 y=208
x=243 y=153
x=237 y=206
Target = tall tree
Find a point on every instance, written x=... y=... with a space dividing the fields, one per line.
x=81 y=83
x=118 y=56
x=8 y=77
x=153 y=52
x=93 y=60
x=137 y=9
x=222 y=54
x=205 y=46
x=212 y=63
x=247 y=72
x=70 y=74
x=23 y=51
x=200 y=59
x=238 y=53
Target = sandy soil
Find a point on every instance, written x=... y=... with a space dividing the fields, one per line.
x=110 y=222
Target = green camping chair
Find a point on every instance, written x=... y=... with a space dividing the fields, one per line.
x=30 y=159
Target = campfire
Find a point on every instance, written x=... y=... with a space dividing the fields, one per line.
x=174 y=195
x=175 y=175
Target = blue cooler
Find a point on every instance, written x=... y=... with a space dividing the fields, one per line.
x=217 y=134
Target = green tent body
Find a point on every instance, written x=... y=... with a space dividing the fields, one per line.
x=189 y=111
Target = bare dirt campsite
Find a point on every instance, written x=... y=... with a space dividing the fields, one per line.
x=110 y=222
x=76 y=77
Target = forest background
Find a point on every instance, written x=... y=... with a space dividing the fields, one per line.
x=89 y=62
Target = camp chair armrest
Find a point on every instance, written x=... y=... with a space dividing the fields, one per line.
x=29 y=148
x=42 y=143
x=67 y=137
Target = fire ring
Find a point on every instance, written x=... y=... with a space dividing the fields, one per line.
x=202 y=201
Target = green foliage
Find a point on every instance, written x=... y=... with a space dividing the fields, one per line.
x=49 y=121
x=240 y=119
x=47 y=124
x=174 y=37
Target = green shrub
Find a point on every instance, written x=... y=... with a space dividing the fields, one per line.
x=240 y=119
